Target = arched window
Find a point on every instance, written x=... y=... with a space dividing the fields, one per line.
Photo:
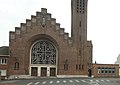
x=43 y=52
x=16 y=66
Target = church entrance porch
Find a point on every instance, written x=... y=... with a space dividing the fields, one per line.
x=43 y=71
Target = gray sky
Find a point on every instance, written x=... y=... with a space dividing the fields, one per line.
x=103 y=22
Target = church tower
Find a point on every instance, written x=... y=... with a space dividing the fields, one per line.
x=79 y=22
x=79 y=26
x=79 y=35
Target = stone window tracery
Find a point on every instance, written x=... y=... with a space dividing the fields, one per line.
x=43 y=52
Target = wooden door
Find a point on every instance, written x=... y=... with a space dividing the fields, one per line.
x=34 y=71
x=43 y=71
x=52 y=72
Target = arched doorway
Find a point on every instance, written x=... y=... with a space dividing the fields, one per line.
x=43 y=58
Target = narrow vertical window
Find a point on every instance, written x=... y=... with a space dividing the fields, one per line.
x=65 y=67
x=16 y=66
x=79 y=67
x=76 y=66
x=80 y=23
x=79 y=53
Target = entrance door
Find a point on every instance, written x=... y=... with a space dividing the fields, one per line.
x=52 y=72
x=89 y=72
x=34 y=71
x=43 y=71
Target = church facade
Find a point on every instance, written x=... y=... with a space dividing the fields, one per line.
x=40 y=47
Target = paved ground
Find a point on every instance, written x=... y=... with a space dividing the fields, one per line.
x=64 y=81
x=9 y=84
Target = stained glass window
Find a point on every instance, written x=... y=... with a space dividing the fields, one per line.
x=43 y=52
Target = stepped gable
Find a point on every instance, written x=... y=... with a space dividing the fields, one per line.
x=41 y=19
